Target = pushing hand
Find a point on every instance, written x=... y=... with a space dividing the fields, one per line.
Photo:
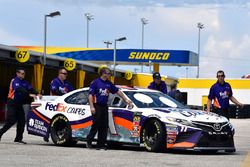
x=92 y=109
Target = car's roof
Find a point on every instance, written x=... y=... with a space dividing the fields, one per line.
x=139 y=89
x=129 y=88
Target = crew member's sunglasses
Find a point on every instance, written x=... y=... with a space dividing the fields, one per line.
x=22 y=73
x=64 y=73
x=108 y=73
x=222 y=76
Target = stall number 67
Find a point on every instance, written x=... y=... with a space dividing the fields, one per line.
x=22 y=54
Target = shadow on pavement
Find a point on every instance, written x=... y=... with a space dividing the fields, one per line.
x=142 y=149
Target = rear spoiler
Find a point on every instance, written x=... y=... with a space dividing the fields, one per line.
x=45 y=98
x=37 y=101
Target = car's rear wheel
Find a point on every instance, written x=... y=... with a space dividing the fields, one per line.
x=61 y=131
x=153 y=136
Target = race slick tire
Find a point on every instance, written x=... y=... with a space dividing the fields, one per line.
x=61 y=131
x=153 y=136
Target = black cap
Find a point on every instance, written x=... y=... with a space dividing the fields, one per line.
x=156 y=75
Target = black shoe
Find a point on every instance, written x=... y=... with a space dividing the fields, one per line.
x=89 y=145
x=101 y=148
x=20 y=142
x=46 y=139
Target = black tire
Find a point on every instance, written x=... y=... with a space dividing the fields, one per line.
x=154 y=136
x=61 y=131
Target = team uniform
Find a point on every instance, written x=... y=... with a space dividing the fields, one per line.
x=100 y=90
x=160 y=87
x=221 y=94
x=57 y=87
x=176 y=94
x=18 y=95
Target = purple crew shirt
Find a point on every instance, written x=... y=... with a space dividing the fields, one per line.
x=19 y=96
x=57 y=87
x=100 y=89
x=161 y=87
x=221 y=94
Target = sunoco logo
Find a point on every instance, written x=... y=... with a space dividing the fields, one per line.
x=217 y=126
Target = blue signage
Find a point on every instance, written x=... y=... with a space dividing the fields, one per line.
x=136 y=56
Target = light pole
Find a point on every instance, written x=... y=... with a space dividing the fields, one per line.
x=53 y=14
x=200 y=26
x=107 y=43
x=186 y=72
x=144 y=22
x=114 y=57
x=89 y=17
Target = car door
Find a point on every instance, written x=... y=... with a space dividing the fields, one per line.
x=122 y=125
x=78 y=112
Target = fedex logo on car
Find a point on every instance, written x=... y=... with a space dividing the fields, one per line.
x=61 y=108
x=55 y=107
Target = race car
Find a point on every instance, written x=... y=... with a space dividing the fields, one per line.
x=156 y=120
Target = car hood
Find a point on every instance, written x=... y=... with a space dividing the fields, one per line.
x=189 y=115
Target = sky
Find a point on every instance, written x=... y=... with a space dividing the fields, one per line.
x=172 y=25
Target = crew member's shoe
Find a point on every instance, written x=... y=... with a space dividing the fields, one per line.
x=101 y=147
x=1 y=136
x=89 y=145
x=46 y=139
x=20 y=142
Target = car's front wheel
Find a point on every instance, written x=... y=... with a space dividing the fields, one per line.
x=61 y=131
x=153 y=136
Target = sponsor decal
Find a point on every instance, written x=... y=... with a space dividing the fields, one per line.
x=217 y=126
x=55 y=107
x=61 y=108
x=61 y=141
x=154 y=115
x=172 y=131
x=191 y=113
x=136 y=124
x=58 y=118
x=217 y=133
x=171 y=141
x=37 y=126
x=79 y=111
x=171 y=128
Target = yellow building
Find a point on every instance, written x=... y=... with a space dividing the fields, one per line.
x=198 y=88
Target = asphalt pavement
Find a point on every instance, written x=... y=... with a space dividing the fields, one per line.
x=39 y=153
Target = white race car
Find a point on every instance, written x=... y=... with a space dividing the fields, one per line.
x=156 y=120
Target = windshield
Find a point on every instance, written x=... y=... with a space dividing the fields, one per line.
x=152 y=100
